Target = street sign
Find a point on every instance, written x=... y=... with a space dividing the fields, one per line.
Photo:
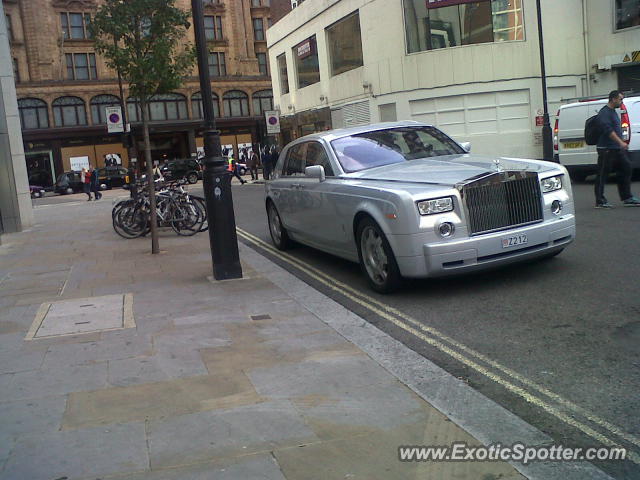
x=114 y=120
x=273 y=121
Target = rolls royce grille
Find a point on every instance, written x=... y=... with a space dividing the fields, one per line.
x=494 y=205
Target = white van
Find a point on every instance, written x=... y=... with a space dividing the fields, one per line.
x=569 y=145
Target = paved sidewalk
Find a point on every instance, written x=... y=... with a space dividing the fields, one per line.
x=227 y=380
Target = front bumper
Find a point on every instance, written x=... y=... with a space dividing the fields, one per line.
x=486 y=251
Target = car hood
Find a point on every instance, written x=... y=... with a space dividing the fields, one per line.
x=450 y=169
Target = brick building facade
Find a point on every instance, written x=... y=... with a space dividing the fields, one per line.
x=63 y=86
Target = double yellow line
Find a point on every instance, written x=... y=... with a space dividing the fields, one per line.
x=564 y=410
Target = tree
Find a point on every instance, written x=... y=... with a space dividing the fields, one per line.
x=142 y=39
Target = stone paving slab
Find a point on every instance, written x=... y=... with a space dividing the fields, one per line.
x=92 y=452
x=199 y=437
x=21 y=361
x=38 y=415
x=54 y=381
x=97 y=351
x=248 y=467
x=157 y=400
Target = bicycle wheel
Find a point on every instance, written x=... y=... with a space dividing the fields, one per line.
x=187 y=217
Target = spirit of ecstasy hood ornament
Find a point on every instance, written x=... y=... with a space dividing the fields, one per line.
x=498 y=165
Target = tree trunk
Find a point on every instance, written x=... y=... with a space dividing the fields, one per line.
x=153 y=217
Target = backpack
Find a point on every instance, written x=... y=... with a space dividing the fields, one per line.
x=592 y=130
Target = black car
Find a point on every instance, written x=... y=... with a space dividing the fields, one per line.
x=188 y=168
x=68 y=182
x=112 y=177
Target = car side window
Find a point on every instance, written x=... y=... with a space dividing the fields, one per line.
x=317 y=155
x=294 y=166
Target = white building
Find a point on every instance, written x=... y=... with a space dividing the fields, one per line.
x=470 y=68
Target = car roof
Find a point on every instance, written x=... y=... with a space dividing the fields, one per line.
x=599 y=101
x=330 y=135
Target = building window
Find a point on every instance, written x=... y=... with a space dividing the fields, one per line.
x=75 y=26
x=33 y=113
x=260 y=3
x=69 y=112
x=627 y=13
x=213 y=27
x=81 y=66
x=168 y=106
x=98 y=105
x=345 y=44
x=306 y=58
x=196 y=105
x=466 y=23
x=284 y=77
x=16 y=71
x=217 y=66
x=258 y=29
x=236 y=104
x=9 y=28
x=262 y=101
x=262 y=63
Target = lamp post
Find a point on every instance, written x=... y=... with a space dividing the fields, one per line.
x=547 y=140
x=215 y=178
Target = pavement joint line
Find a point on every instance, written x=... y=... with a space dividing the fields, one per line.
x=65 y=282
x=432 y=331
x=339 y=286
x=37 y=322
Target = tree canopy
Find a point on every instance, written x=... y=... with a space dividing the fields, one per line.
x=143 y=40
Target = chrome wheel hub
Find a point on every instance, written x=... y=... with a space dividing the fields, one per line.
x=373 y=255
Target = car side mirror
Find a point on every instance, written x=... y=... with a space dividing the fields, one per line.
x=466 y=146
x=315 y=171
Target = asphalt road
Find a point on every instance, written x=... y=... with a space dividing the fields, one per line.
x=555 y=341
x=567 y=330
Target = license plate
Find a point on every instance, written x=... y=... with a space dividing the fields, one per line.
x=573 y=145
x=514 y=241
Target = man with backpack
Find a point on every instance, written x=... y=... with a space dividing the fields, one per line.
x=612 y=152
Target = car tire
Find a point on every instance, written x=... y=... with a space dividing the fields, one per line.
x=192 y=177
x=377 y=261
x=69 y=191
x=242 y=171
x=279 y=235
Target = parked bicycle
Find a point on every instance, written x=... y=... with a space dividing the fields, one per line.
x=185 y=213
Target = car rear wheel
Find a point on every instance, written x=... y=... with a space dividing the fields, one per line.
x=279 y=234
x=69 y=191
x=377 y=260
x=192 y=177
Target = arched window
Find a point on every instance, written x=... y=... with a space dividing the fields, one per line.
x=196 y=105
x=236 y=104
x=168 y=106
x=262 y=101
x=33 y=113
x=69 y=112
x=98 y=104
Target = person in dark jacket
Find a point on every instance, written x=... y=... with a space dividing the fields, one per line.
x=95 y=183
x=612 y=153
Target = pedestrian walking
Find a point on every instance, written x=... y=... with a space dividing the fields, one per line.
x=85 y=179
x=233 y=168
x=612 y=153
x=254 y=162
x=95 y=183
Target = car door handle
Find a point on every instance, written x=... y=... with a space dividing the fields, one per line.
x=296 y=186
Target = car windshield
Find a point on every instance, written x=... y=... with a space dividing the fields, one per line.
x=395 y=145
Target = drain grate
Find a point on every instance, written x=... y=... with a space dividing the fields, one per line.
x=260 y=317
x=84 y=315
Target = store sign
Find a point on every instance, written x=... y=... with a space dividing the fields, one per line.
x=304 y=49
x=114 y=120
x=446 y=3
x=272 y=118
x=78 y=163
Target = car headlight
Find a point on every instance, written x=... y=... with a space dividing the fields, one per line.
x=436 y=205
x=551 y=184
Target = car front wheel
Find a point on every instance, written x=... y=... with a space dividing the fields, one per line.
x=279 y=234
x=377 y=260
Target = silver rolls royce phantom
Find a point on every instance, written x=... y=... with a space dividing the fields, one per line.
x=405 y=200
